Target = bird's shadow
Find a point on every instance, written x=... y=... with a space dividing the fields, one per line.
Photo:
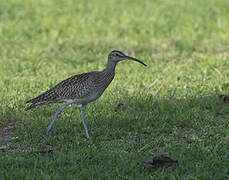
x=115 y=119
x=133 y=114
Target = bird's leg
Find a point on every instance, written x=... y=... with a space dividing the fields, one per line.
x=56 y=115
x=84 y=123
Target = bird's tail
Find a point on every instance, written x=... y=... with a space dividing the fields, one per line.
x=30 y=107
x=34 y=104
x=40 y=100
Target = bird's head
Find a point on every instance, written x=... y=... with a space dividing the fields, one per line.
x=117 y=56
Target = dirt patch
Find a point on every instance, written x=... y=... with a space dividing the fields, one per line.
x=6 y=132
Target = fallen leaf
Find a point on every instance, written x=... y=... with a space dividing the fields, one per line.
x=117 y=106
x=160 y=161
x=43 y=152
x=224 y=98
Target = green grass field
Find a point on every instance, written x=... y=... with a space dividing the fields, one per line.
x=170 y=107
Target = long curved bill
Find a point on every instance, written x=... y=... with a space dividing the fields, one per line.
x=134 y=59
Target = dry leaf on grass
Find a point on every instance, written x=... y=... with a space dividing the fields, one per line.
x=117 y=106
x=43 y=152
x=224 y=98
x=160 y=161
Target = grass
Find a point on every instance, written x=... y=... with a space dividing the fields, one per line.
x=169 y=107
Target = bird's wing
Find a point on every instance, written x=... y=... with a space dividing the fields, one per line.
x=74 y=87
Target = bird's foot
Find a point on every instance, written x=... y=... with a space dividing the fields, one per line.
x=88 y=137
x=48 y=129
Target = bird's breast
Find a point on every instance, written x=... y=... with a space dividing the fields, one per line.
x=87 y=99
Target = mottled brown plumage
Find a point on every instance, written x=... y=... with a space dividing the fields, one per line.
x=82 y=88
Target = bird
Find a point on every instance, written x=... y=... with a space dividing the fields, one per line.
x=81 y=89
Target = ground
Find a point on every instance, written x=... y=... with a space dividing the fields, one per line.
x=170 y=107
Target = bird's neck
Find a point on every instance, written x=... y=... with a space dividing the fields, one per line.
x=110 y=66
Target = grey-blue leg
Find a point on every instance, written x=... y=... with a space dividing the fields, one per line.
x=84 y=123
x=57 y=114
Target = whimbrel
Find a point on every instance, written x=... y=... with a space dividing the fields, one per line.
x=81 y=89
